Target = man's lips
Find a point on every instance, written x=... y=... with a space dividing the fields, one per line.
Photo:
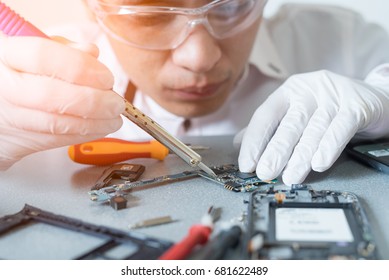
x=198 y=92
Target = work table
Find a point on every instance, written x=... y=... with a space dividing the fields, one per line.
x=52 y=182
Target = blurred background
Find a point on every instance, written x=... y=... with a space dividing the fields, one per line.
x=48 y=13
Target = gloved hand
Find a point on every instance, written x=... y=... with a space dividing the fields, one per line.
x=52 y=95
x=308 y=121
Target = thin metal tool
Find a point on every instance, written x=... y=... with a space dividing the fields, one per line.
x=152 y=222
x=159 y=133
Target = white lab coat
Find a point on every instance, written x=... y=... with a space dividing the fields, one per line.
x=299 y=38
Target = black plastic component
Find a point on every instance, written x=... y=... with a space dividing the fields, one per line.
x=119 y=173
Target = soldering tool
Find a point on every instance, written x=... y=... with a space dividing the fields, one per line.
x=12 y=24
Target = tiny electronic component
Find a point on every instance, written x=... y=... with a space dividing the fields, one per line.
x=115 y=244
x=227 y=176
x=118 y=202
x=302 y=223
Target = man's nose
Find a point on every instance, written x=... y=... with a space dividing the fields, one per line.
x=199 y=52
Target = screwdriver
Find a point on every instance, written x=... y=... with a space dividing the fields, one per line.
x=107 y=151
x=13 y=25
x=198 y=235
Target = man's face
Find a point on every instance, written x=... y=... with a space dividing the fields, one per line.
x=196 y=77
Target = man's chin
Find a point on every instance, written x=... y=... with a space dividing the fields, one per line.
x=191 y=110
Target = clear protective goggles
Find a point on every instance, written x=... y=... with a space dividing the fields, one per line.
x=166 y=27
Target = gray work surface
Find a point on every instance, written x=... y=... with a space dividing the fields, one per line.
x=52 y=182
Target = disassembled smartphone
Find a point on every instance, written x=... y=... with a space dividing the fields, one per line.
x=301 y=223
x=374 y=154
x=112 y=243
x=228 y=176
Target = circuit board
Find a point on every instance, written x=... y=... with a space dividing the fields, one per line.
x=232 y=179
x=228 y=176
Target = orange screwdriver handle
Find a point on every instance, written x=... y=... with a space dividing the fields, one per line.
x=107 y=151
x=198 y=235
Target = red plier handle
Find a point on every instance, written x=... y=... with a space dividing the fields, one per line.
x=198 y=235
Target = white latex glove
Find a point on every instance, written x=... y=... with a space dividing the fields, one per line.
x=52 y=95
x=308 y=121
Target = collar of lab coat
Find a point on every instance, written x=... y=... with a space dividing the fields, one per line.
x=265 y=55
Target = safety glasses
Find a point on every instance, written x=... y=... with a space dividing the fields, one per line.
x=166 y=27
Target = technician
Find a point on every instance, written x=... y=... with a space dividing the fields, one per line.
x=317 y=77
